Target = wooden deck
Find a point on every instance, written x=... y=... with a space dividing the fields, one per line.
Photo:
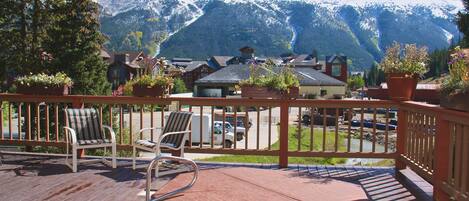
x=46 y=178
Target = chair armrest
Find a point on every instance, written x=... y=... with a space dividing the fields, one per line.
x=172 y=133
x=73 y=135
x=113 y=135
x=134 y=136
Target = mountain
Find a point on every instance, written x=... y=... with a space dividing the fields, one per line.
x=360 y=29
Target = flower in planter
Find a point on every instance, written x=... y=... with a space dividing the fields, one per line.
x=410 y=60
x=44 y=80
x=458 y=80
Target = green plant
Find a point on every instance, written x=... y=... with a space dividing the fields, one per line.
x=179 y=86
x=150 y=81
x=458 y=81
x=282 y=81
x=42 y=79
x=355 y=82
x=411 y=60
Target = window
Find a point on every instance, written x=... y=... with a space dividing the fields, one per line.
x=323 y=92
x=336 y=70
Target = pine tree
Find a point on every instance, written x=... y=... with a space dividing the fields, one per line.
x=75 y=44
x=23 y=25
x=463 y=23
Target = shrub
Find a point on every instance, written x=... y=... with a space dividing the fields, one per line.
x=179 y=86
x=355 y=82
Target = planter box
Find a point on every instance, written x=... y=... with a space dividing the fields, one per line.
x=155 y=91
x=43 y=90
x=456 y=102
x=401 y=87
x=265 y=92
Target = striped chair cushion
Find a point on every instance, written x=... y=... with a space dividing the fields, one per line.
x=86 y=124
x=146 y=143
x=177 y=121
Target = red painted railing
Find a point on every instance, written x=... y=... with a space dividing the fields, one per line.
x=431 y=140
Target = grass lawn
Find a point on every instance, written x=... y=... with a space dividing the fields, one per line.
x=293 y=146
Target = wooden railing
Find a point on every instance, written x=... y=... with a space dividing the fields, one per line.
x=432 y=141
x=435 y=144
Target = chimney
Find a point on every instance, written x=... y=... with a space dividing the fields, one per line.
x=247 y=53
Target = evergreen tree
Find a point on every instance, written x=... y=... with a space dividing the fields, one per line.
x=463 y=23
x=375 y=76
x=75 y=43
x=22 y=31
x=438 y=63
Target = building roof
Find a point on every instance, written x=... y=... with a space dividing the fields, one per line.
x=330 y=59
x=312 y=77
x=221 y=60
x=302 y=58
x=181 y=59
x=194 y=65
x=132 y=55
x=104 y=54
x=232 y=74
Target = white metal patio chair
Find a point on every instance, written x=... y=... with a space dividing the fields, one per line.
x=172 y=136
x=86 y=132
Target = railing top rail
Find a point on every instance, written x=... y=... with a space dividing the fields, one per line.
x=195 y=101
x=436 y=110
x=344 y=103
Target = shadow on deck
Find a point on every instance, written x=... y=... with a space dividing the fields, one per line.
x=46 y=178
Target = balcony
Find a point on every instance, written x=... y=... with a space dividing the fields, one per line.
x=429 y=141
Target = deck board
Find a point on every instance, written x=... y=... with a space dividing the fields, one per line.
x=46 y=178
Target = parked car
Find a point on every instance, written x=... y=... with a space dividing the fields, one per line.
x=242 y=120
x=228 y=127
x=207 y=132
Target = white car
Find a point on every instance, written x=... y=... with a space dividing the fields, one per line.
x=207 y=131
x=230 y=128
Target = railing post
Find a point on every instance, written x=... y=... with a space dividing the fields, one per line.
x=442 y=158
x=401 y=138
x=283 y=155
x=78 y=103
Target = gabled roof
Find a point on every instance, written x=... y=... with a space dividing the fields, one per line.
x=331 y=59
x=194 y=65
x=132 y=56
x=221 y=60
x=232 y=74
x=302 y=58
x=104 y=54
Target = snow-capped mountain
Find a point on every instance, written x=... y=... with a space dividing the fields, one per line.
x=360 y=29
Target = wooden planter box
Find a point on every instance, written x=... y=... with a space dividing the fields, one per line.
x=155 y=91
x=265 y=92
x=43 y=90
x=458 y=101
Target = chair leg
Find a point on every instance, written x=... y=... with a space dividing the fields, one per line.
x=133 y=157
x=104 y=155
x=74 y=159
x=114 y=162
x=154 y=163
x=157 y=169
